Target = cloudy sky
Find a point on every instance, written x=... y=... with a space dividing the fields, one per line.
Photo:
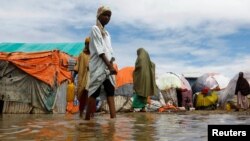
x=181 y=36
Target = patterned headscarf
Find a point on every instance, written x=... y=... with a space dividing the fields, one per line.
x=100 y=11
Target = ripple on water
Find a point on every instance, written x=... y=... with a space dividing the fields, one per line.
x=131 y=126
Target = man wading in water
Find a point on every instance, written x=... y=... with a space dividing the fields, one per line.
x=101 y=63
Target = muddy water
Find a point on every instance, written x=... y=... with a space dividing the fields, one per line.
x=126 y=127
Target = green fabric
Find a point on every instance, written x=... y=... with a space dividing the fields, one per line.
x=73 y=49
x=139 y=101
x=45 y=97
x=144 y=75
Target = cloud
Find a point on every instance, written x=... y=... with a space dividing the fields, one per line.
x=180 y=36
x=179 y=13
x=44 y=21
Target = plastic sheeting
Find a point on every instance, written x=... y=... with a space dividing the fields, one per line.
x=122 y=103
x=73 y=48
x=18 y=86
x=51 y=67
x=125 y=90
x=229 y=92
x=210 y=80
x=124 y=76
x=170 y=96
x=169 y=82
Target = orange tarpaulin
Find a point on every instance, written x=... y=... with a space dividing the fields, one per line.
x=124 y=76
x=46 y=66
x=71 y=108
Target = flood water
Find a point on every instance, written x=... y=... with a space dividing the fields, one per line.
x=126 y=127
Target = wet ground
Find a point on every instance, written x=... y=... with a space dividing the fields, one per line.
x=126 y=127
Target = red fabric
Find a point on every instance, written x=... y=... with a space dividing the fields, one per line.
x=205 y=90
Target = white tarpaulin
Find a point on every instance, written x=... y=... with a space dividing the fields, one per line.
x=229 y=92
x=211 y=81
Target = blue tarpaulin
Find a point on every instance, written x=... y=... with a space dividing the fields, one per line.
x=72 y=49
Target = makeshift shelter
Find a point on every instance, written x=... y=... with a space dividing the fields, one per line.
x=123 y=91
x=72 y=49
x=192 y=77
x=33 y=78
x=211 y=81
x=228 y=94
x=124 y=81
x=175 y=88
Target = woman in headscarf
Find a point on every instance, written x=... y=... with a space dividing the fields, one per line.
x=101 y=63
x=143 y=79
x=242 y=90
x=81 y=68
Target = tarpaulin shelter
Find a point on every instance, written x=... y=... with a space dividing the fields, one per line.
x=34 y=77
x=72 y=49
x=175 y=88
x=228 y=93
x=123 y=91
x=192 y=76
x=211 y=81
x=124 y=81
x=169 y=80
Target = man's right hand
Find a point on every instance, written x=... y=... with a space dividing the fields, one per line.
x=112 y=70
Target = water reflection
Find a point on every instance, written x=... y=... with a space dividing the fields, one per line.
x=127 y=126
x=144 y=128
x=103 y=128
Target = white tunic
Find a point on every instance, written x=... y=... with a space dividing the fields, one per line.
x=97 y=67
